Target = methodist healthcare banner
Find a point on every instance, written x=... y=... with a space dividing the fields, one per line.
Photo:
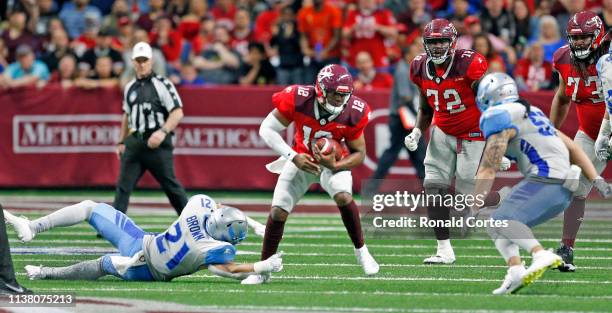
x=66 y=138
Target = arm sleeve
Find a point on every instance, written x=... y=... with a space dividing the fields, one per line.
x=495 y=121
x=221 y=254
x=270 y=132
x=477 y=68
x=170 y=98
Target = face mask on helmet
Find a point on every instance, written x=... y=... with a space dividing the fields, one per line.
x=336 y=101
x=438 y=49
x=581 y=45
x=227 y=224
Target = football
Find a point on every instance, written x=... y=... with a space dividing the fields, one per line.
x=326 y=146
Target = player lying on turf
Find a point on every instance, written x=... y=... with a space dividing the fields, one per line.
x=523 y=133
x=202 y=237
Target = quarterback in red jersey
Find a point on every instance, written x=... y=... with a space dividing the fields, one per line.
x=447 y=79
x=328 y=109
x=578 y=84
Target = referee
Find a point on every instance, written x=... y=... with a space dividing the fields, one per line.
x=152 y=110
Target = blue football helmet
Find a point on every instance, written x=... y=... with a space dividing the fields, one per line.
x=495 y=89
x=227 y=224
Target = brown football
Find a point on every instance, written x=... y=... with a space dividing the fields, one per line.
x=326 y=146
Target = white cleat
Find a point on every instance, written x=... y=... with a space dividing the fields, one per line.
x=21 y=225
x=34 y=272
x=367 y=262
x=513 y=281
x=446 y=256
x=542 y=260
x=256 y=279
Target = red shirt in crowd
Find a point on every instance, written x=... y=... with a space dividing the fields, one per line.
x=365 y=37
x=533 y=75
x=381 y=80
x=319 y=26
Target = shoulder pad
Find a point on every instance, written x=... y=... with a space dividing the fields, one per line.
x=494 y=121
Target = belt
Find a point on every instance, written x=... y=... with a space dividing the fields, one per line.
x=144 y=135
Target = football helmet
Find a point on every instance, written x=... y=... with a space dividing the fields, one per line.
x=227 y=224
x=439 y=40
x=495 y=89
x=334 y=81
x=584 y=23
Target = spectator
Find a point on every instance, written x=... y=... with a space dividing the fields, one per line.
x=159 y=63
x=189 y=26
x=168 y=40
x=177 y=8
x=549 y=36
x=102 y=49
x=57 y=49
x=121 y=42
x=264 y=23
x=110 y=23
x=242 y=34
x=473 y=28
x=526 y=27
x=570 y=7
x=497 y=21
x=483 y=45
x=285 y=43
x=103 y=76
x=606 y=14
x=188 y=76
x=319 y=25
x=533 y=73
x=66 y=72
x=26 y=71
x=367 y=29
x=218 y=63
x=224 y=13
x=367 y=77
x=47 y=10
x=415 y=19
x=3 y=56
x=16 y=34
x=88 y=38
x=256 y=69
x=460 y=10
x=74 y=15
x=544 y=8
x=156 y=11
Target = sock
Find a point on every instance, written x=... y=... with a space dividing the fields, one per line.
x=444 y=247
x=572 y=218
x=272 y=237
x=439 y=213
x=519 y=234
x=506 y=248
x=352 y=223
x=87 y=270
x=66 y=216
x=492 y=199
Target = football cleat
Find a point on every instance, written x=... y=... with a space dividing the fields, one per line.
x=13 y=289
x=439 y=259
x=367 y=262
x=256 y=279
x=567 y=254
x=542 y=260
x=21 y=225
x=513 y=281
x=34 y=272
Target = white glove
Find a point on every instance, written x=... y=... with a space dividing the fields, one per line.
x=412 y=140
x=272 y=264
x=602 y=144
x=505 y=164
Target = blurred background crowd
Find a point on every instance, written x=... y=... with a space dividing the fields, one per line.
x=87 y=43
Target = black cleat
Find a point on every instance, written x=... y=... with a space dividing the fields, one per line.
x=567 y=254
x=13 y=289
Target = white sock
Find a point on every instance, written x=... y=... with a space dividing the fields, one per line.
x=520 y=234
x=66 y=216
x=444 y=246
x=506 y=248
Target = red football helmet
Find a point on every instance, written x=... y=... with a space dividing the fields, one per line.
x=585 y=23
x=439 y=31
x=335 y=81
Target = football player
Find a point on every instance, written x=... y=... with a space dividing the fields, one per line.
x=578 y=84
x=327 y=109
x=202 y=237
x=447 y=79
x=522 y=132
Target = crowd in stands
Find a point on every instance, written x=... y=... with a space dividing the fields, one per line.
x=87 y=43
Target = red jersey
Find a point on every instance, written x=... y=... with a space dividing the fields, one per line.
x=590 y=106
x=297 y=104
x=450 y=92
x=366 y=38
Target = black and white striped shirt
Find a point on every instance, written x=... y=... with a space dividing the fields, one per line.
x=148 y=102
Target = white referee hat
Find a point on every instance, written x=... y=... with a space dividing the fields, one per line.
x=142 y=49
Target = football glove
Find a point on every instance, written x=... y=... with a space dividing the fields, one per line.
x=412 y=140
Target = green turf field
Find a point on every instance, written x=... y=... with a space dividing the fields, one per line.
x=321 y=273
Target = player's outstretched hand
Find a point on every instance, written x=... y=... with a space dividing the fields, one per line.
x=602 y=148
x=272 y=264
x=505 y=164
x=306 y=163
x=412 y=140
x=604 y=189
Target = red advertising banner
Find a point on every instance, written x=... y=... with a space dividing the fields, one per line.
x=66 y=138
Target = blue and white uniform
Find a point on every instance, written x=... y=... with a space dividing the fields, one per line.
x=180 y=250
x=541 y=156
